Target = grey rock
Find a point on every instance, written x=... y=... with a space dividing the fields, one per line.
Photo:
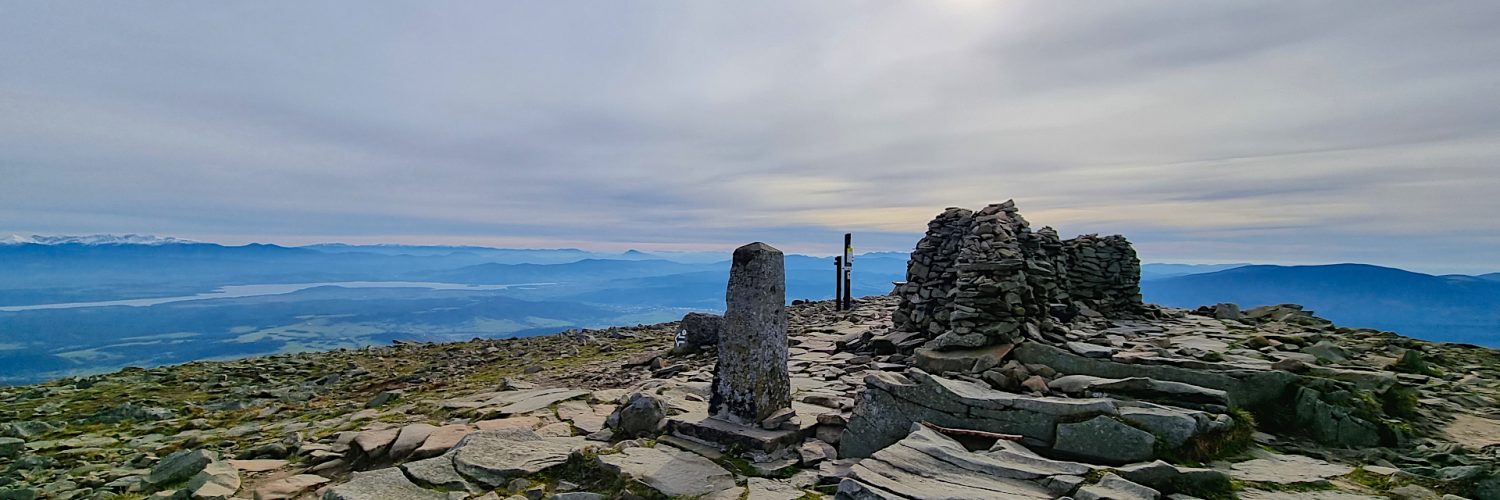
x=438 y=472
x=1327 y=351
x=384 y=398
x=180 y=466
x=217 y=481
x=1331 y=424
x=975 y=360
x=640 y=415
x=929 y=465
x=1105 y=440
x=27 y=429
x=1112 y=487
x=11 y=448
x=578 y=495
x=494 y=458
x=701 y=329
x=1168 y=478
x=1228 y=311
x=1175 y=427
x=1286 y=469
x=891 y=402
x=751 y=380
x=1088 y=350
x=409 y=439
x=669 y=471
x=384 y=484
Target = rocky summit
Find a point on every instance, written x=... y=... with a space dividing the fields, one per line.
x=1010 y=364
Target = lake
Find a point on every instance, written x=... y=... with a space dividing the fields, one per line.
x=234 y=291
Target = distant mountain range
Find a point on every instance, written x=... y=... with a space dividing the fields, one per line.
x=1440 y=308
x=585 y=289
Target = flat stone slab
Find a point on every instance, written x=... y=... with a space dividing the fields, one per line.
x=701 y=427
x=1304 y=495
x=257 y=465
x=672 y=472
x=442 y=439
x=288 y=488
x=1286 y=469
x=892 y=402
x=439 y=473
x=547 y=397
x=383 y=484
x=928 y=464
x=494 y=458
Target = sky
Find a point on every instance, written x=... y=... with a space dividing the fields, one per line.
x=1271 y=132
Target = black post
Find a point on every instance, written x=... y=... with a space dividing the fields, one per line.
x=838 y=283
x=848 y=271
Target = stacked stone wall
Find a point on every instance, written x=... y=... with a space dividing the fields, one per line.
x=984 y=278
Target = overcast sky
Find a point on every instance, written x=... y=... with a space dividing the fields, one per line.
x=1280 y=132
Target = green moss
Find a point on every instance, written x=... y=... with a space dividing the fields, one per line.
x=1211 y=446
x=1400 y=401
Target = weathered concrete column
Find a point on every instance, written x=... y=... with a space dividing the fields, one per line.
x=751 y=380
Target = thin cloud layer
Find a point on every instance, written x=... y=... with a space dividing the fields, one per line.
x=1297 y=132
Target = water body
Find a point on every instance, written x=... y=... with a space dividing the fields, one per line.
x=235 y=291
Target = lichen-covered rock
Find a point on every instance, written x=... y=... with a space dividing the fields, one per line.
x=640 y=415
x=751 y=380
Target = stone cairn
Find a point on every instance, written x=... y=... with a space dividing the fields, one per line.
x=985 y=278
x=751 y=382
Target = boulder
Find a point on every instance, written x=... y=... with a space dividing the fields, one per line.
x=1332 y=424
x=180 y=466
x=1228 y=311
x=409 y=439
x=217 y=481
x=1104 y=440
x=963 y=360
x=640 y=415
x=1170 y=479
x=10 y=448
x=1174 y=427
x=1327 y=351
x=701 y=330
x=441 y=440
x=382 y=399
x=438 y=473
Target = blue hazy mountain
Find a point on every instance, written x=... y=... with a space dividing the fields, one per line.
x=1154 y=271
x=1439 y=308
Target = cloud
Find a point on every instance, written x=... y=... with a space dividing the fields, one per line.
x=1269 y=132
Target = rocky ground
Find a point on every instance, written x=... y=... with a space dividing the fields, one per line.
x=1216 y=403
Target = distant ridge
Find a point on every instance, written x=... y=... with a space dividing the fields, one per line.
x=94 y=239
x=1439 y=308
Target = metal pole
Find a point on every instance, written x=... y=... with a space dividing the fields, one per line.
x=838 y=283
x=848 y=271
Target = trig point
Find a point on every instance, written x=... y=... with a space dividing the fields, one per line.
x=751 y=382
